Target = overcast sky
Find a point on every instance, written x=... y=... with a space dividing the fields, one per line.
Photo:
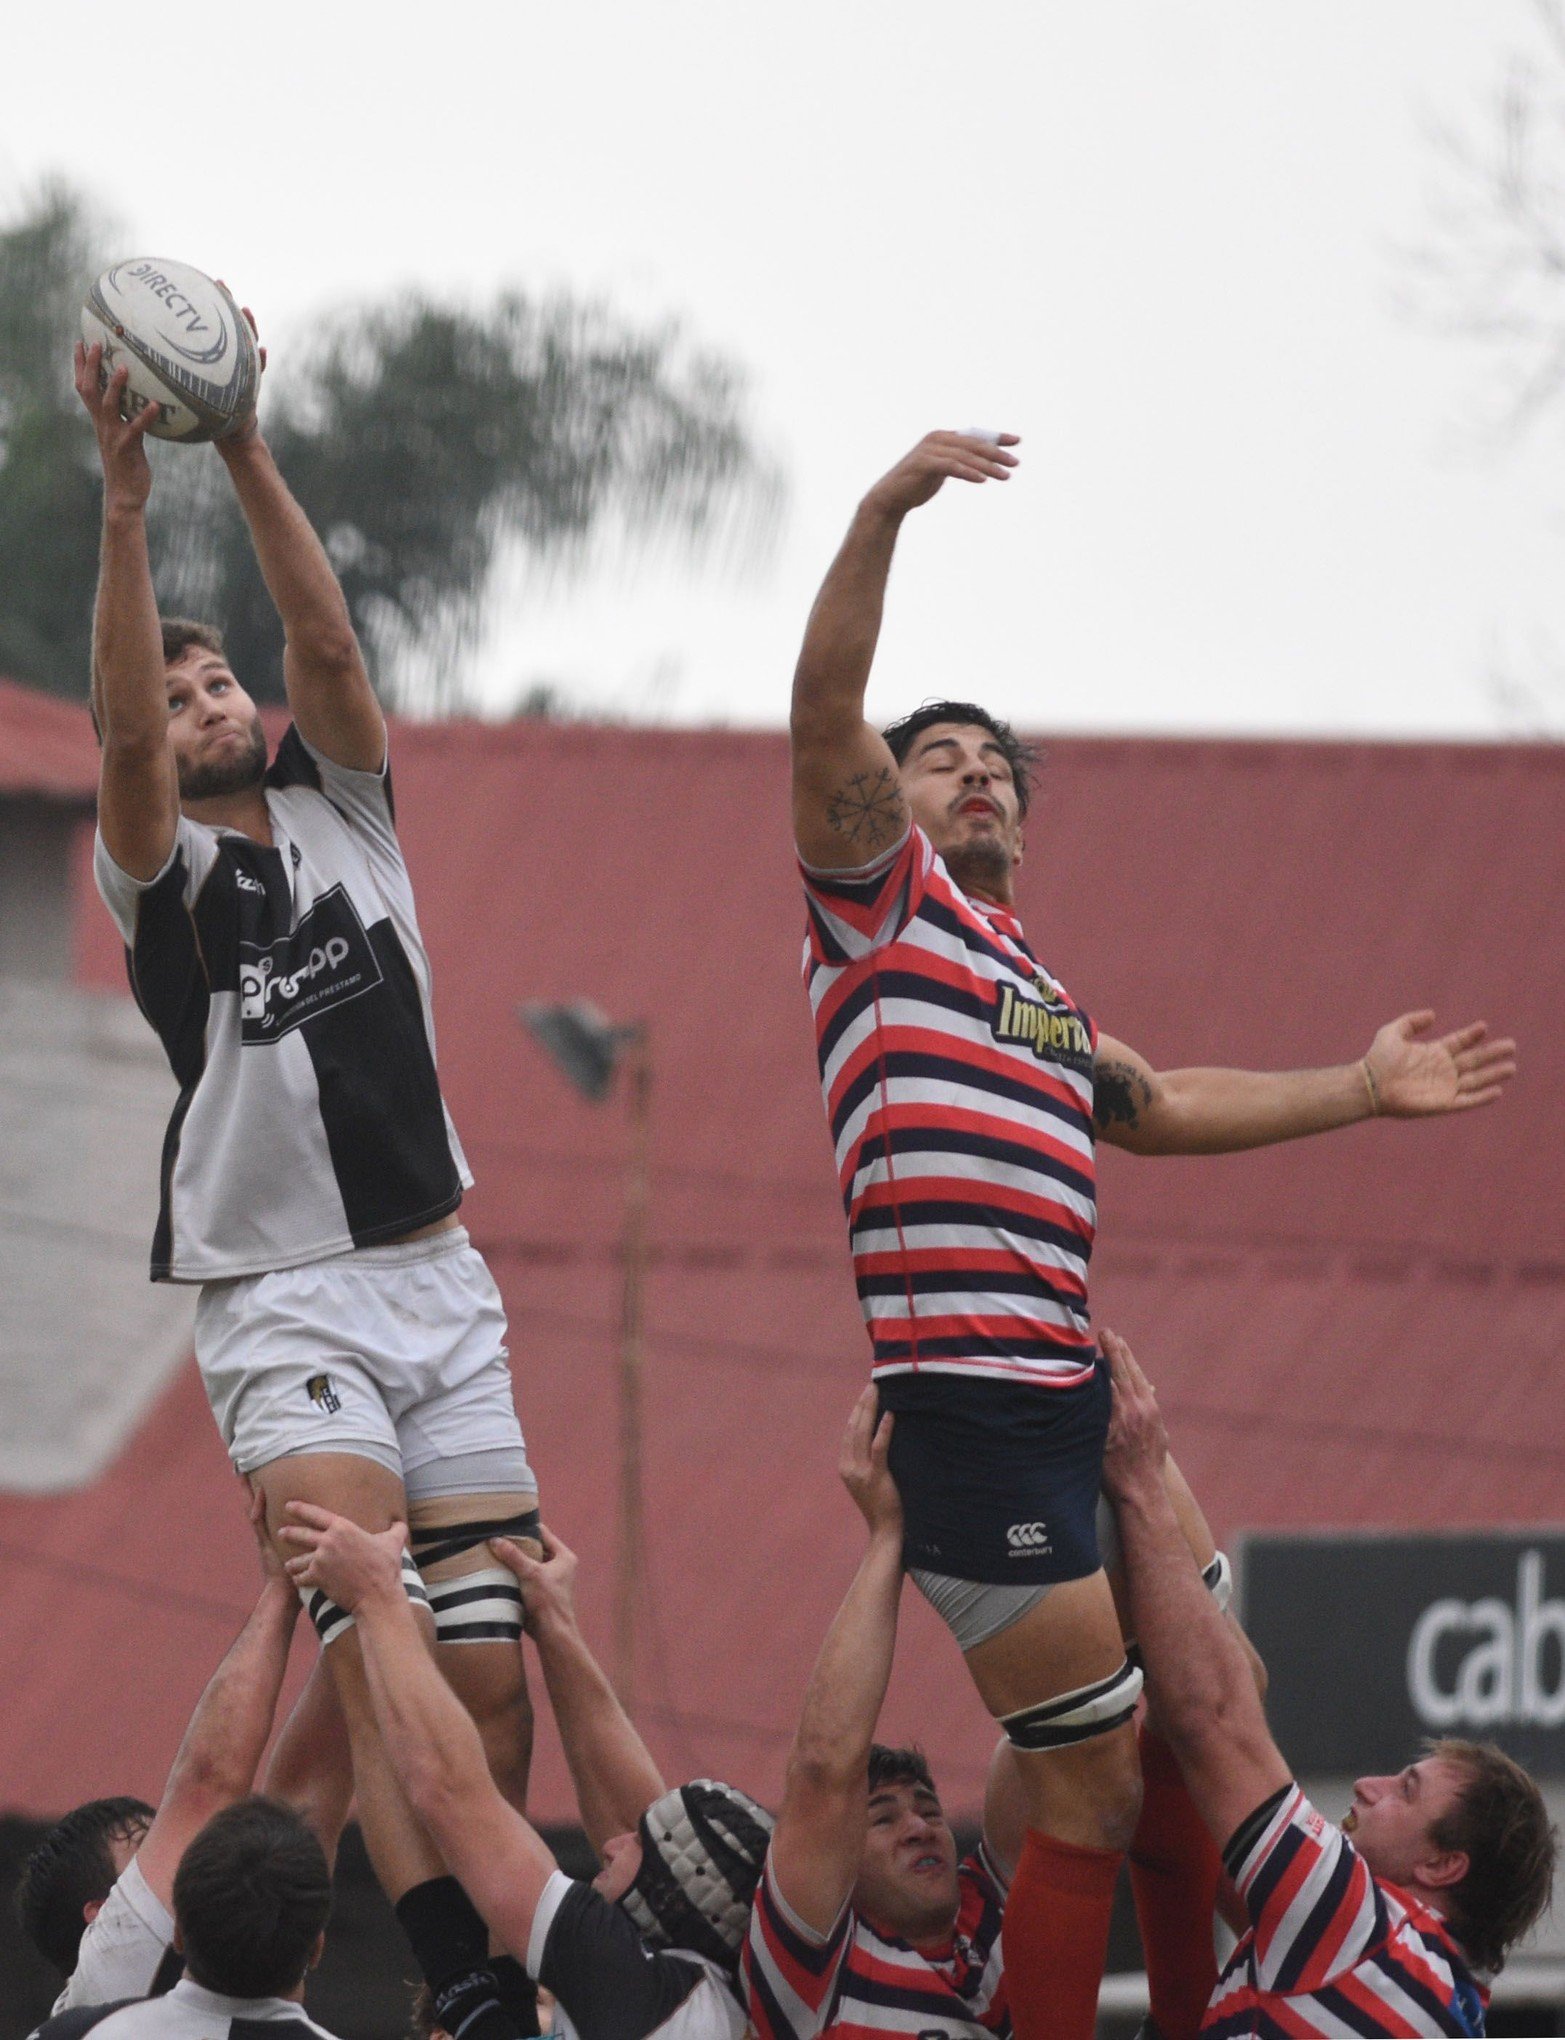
x=1157 y=238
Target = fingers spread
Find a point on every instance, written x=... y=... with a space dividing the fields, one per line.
x=1466 y=1037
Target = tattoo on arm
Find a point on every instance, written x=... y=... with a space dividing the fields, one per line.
x=869 y=810
x=1120 y=1095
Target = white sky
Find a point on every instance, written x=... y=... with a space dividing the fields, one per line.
x=1155 y=237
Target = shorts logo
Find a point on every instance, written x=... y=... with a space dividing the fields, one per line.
x=325 y=961
x=1028 y=1540
x=320 y=1391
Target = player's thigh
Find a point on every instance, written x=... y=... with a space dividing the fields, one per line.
x=1192 y=1521
x=1069 y=1638
x=348 y=1483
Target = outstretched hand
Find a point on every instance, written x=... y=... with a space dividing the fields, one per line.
x=1411 y=1077
x=940 y=457
x=122 y=442
x=548 y=1584
x=862 y=1465
x=1137 y=1443
x=346 y=1562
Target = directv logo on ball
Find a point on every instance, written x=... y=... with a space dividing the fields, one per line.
x=182 y=321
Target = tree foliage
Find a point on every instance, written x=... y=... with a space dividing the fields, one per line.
x=426 y=441
x=1490 y=269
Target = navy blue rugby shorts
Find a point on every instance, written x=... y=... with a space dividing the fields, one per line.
x=999 y=1481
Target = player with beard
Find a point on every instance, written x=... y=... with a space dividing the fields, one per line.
x=350 y=1339
x=966 y=1090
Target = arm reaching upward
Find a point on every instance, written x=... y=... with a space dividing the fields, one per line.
x=1199 y=1678
x=223 y=1745
x=1405 y=1075
x=610 y=1766
x=847 y=802
x=820 y=1831
x=492 y=1851
x=138 y=793
x=329 y=691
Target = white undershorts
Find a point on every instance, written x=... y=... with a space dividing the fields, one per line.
x=394 y=1353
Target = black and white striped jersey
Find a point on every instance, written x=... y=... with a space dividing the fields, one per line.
x=291 y=991
x=609 y=1985
x=187 y=2013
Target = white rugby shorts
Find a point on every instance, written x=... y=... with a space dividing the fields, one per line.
x=394 y=1353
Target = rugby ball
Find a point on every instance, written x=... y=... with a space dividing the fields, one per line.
x=185 y=341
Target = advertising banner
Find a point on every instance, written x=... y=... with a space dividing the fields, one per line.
x=1374 y=1642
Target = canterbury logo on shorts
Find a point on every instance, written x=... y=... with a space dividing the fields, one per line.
x=1027 y=1539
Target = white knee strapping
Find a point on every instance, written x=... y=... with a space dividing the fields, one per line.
x=477 y=1607
x=330 y=1620
x=1079 y=1715
x=1219 y=1580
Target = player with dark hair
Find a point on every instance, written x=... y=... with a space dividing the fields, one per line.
x=251 y=1898
x=1392 y=1922
x=651 y=1946
x=96 y=1892
x=966 y=1090
x=865 y=1921
x=350 y=1339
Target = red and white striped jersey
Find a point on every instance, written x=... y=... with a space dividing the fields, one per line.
x=958 y=1079
x=857 y=1983
x=1332 y=1949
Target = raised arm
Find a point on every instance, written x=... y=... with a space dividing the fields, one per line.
x=820 y=1831
x=1199 y=1678
x=496 y=1855
x=329 y=691
x=138 y=792
x=227 y=1735
x=1404 y=1075
x=847 y=800
x=610 y=1766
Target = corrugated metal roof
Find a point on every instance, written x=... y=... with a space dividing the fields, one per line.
x=1356 y=1330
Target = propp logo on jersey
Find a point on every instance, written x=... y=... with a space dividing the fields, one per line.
x=1028 y=1540
x=1049 y=1028
x=325 y=961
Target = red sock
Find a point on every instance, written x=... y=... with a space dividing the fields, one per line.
x=1056 y=1937
x=1174 y=1868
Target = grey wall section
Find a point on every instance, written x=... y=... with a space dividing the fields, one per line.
x=87 y=1341
x=35 y=903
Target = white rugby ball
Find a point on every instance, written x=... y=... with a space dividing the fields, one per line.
x=185 y=341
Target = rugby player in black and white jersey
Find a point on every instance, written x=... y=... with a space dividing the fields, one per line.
x=651 y=1946
x=251 y=1898
x=966 y=1091
x=351 y=1341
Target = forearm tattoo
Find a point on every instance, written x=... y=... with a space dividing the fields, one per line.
x=869 y=810
x=1120 y=1095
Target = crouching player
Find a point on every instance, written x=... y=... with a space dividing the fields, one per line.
x=1389 y=1923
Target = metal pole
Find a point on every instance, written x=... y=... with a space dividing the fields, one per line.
x=628 y=1565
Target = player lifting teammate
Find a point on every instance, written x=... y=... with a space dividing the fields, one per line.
x=966 y=1090
x=350 y=1339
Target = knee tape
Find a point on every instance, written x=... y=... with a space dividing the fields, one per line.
x=330 y=1620
x=434 y=1542
x=477 y=1607
x=1077 y=1716
x=1219 y=1580
x=474 y=1607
